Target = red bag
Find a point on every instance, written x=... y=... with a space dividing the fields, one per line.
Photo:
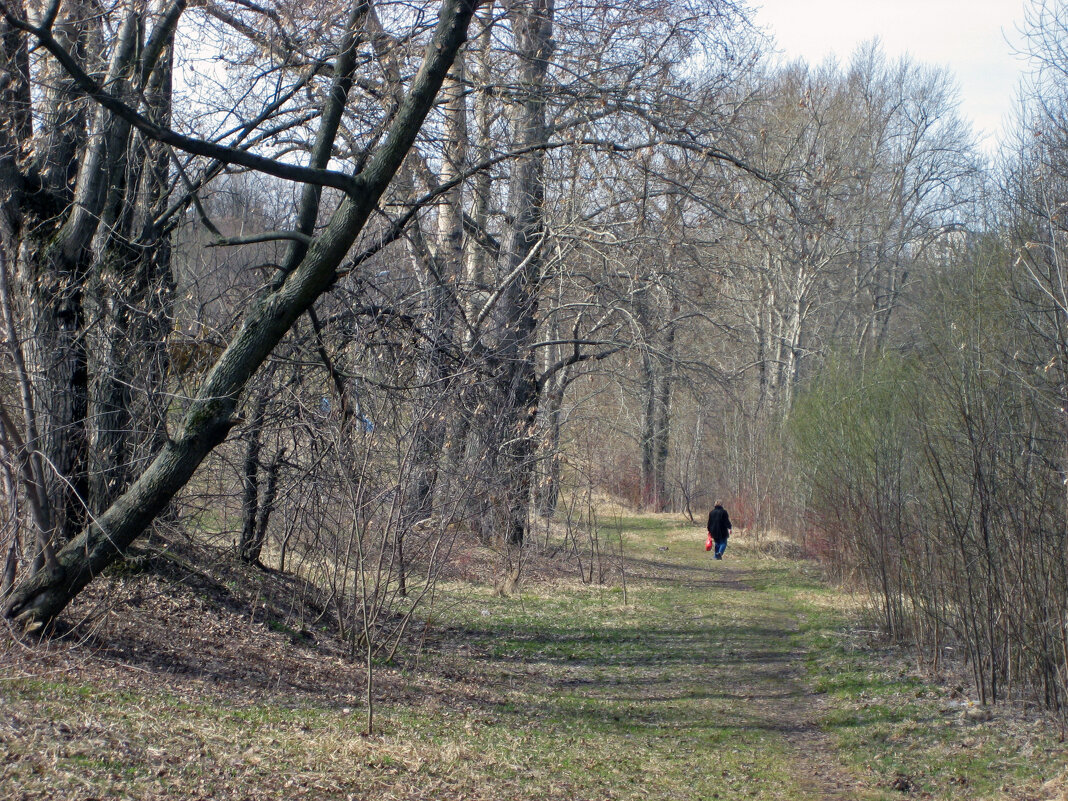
x=708 y=542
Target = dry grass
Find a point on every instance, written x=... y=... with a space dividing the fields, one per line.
x=198 y=678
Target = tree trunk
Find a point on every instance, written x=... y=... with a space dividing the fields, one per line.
x=130 y=296
x=662 y=427
x=254 y=549
x=507 y=426
x=648 y=430
x=438 y=277
x=657 y=357
x=247 y=547
x=548 y=493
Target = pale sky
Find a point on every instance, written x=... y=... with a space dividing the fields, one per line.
x=967 y=36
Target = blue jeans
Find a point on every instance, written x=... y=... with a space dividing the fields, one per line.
x=721 y=546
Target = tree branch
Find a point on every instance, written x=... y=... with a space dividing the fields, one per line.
x=188 y=144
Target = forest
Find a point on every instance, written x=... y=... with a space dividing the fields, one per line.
x=345 y=290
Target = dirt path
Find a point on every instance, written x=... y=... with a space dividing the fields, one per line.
x=754 y=632
x=775 y=691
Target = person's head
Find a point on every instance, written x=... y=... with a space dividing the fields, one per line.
x=718 y=503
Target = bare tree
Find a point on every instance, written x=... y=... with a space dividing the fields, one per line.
x=311 y=268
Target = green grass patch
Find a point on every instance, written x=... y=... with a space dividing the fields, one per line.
x=895 y=727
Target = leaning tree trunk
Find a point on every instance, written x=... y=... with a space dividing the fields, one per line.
x=211 y=414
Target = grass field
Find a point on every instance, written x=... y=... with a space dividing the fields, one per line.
x=747 y=678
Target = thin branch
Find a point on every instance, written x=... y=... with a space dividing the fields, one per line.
x=506 y=282
x=576 y=358
x=188 y=144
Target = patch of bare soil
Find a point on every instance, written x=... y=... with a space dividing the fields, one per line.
x=776 y=688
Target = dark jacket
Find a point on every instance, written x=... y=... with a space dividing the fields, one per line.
x=719 y=524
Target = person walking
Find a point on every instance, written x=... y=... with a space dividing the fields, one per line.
x=719 y=528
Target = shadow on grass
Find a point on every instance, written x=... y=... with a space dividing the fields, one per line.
x=709 y=674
